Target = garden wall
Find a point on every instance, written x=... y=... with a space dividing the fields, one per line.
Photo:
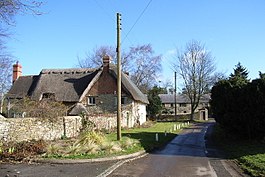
x=107 y=121
x=25 y=129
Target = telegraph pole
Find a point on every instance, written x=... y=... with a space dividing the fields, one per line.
x=175 y=97
x=118 y=77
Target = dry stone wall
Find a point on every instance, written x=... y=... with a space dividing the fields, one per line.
x=25 y=129
x=106 y=121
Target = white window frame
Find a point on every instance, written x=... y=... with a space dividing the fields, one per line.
x=91 y=100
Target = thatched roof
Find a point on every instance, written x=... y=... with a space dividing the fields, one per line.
x=130 y=86
x=23 y=87
x=68 y=85
x=77 y=109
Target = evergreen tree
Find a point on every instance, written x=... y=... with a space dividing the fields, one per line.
x=240 y=75
x=155 y=104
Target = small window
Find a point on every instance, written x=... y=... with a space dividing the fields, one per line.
x=171 y=105
x=123 y=100
x=48 y=96
x=183 y=105
x=91 y=100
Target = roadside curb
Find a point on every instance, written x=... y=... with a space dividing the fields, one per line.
x=75 y=161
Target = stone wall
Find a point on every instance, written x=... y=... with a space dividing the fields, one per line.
x=24 y=129
x=107 y=121
x=103 y=121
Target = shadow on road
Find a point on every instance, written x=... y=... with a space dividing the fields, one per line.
x=235 y=147
x=189 y=143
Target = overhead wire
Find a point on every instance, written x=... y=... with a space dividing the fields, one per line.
x=104 y=10
x=137 y=20
x=140 y=16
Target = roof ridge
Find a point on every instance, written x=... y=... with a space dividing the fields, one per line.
x=68 y=71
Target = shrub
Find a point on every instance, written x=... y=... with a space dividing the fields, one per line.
x=20 y=151
x=239 y=107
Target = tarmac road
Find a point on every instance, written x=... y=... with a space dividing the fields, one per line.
x=184 y=156
x=54 y=170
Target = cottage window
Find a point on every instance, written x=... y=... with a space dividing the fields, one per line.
x=183 y=105
x=123 y=100
x=48 y=96
x=91 y=100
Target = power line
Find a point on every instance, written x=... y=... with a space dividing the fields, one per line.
x=137 y=20
x=104 y=10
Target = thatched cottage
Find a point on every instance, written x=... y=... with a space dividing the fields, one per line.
x=87 y=91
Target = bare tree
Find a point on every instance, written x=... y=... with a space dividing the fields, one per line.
x=196 y=67
x=139 y=61
x=94 y=58
x=146 y=68
x=9 y=8
x=5 y=74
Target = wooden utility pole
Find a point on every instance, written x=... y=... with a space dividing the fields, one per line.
x=118 y=77
x=175 y=95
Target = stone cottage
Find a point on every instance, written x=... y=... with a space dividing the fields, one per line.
x=183 y=105
x=84 y=90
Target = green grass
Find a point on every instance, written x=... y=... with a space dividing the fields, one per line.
x=141 y=138
x=147 y=136
x=249 y=154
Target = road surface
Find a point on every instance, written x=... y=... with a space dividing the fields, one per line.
x=184 y=156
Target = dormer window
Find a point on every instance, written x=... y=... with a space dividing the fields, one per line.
x=48 y=96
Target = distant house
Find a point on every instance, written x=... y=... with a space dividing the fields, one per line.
x=183 y=105
x=84 y=90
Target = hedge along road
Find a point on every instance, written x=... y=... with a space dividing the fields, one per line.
x=185 y=155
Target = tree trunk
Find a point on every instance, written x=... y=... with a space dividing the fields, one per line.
x=192 y=115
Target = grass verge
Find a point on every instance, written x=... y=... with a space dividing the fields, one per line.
x=92 y=144
x=249 y=154
x=147 y=136
x=133 y=140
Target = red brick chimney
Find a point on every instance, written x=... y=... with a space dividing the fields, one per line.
x=106 y=62
x=17 y=71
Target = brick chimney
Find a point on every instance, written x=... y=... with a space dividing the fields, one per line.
x=106 y=62
x=17 y=71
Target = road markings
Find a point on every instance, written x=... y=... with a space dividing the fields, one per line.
x=117 y=165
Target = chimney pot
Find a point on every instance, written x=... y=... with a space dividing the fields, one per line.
x=106 y=62
x=17 y=71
